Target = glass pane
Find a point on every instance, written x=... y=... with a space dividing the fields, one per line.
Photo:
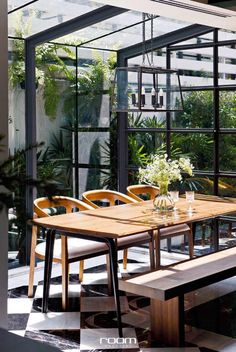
x=198 y=111
x=128 y=36
x=227 y=65
x=55 y=113
x=14 y=4
x=195 y=66
x=204 y=184
x=227 y=109
x=142 y=144
x=94 y=148
x=227 y=152
x=94 y=74
x=103 y=31
x=92 y=178
x=199 y=147
x=225 y=35
x=206 y=38
x=44 y=14
x=227 y=187
x=159 y=59
x=147 y=120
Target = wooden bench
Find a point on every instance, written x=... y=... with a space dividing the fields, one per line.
x=166 y=288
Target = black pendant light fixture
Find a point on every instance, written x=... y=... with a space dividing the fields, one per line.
x=147 y=87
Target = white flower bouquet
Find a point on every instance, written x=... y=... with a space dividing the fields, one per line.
x=163 y=170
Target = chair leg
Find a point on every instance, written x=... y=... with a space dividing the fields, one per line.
x=65 y=273
x=81 y=270
x=32 y=261
x=125 y=258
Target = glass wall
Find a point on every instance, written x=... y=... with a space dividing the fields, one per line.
x=205 y=130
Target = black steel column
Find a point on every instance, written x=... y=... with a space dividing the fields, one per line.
x=75 y=152
x=216 y=111
x=122 y=154
x=31 y=135
x=168 y=113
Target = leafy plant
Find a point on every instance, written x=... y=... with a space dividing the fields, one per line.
x=50 y=68
x=13 y=183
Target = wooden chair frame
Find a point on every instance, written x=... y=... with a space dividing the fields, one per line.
x=112 y=197
x=69 y=204
x=135 y=191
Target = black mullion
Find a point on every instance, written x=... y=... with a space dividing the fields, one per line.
x=76 y=134
x=168 y=114
x=216 y=112
x=173 y=130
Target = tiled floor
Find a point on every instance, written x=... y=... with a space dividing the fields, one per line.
x=90 y=323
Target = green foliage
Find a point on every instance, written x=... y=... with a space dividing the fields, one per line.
x=198 y=111
x=59 y=154
x=49 y=69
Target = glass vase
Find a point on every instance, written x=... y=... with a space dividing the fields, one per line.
x=163 y=202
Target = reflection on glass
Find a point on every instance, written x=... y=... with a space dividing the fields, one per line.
x=175 y=197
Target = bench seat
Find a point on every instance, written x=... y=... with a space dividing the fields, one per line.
x=166 y=288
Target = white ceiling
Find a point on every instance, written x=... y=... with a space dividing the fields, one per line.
x=184 y=10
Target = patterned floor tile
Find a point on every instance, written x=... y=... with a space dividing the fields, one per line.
x=54 y=321
x=101 y=304
x=91 y=315
x=64 y=340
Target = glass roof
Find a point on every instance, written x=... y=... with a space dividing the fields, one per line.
x=122 y=31
x=114 y=33
x=43 y=14
x=15 y=4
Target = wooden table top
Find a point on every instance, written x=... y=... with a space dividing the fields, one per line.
x=128 y=219
x=185 y=277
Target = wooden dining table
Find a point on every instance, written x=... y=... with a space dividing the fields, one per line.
x=110 y=223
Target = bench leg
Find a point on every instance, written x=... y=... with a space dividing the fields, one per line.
x=167 y=321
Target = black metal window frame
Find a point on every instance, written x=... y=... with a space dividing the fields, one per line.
x=216 y=131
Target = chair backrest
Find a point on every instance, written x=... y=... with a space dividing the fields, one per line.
x=135 y=191
x=105 y=195
x=42 y=204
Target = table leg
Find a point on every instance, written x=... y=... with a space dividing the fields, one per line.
x=157 y=242
x=167 y=321
x=114 y=275
x=50 y=237
x=215 y=235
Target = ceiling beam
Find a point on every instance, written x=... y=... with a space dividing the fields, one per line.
x=164 y=40
x=86 y=20
x=191 y=11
